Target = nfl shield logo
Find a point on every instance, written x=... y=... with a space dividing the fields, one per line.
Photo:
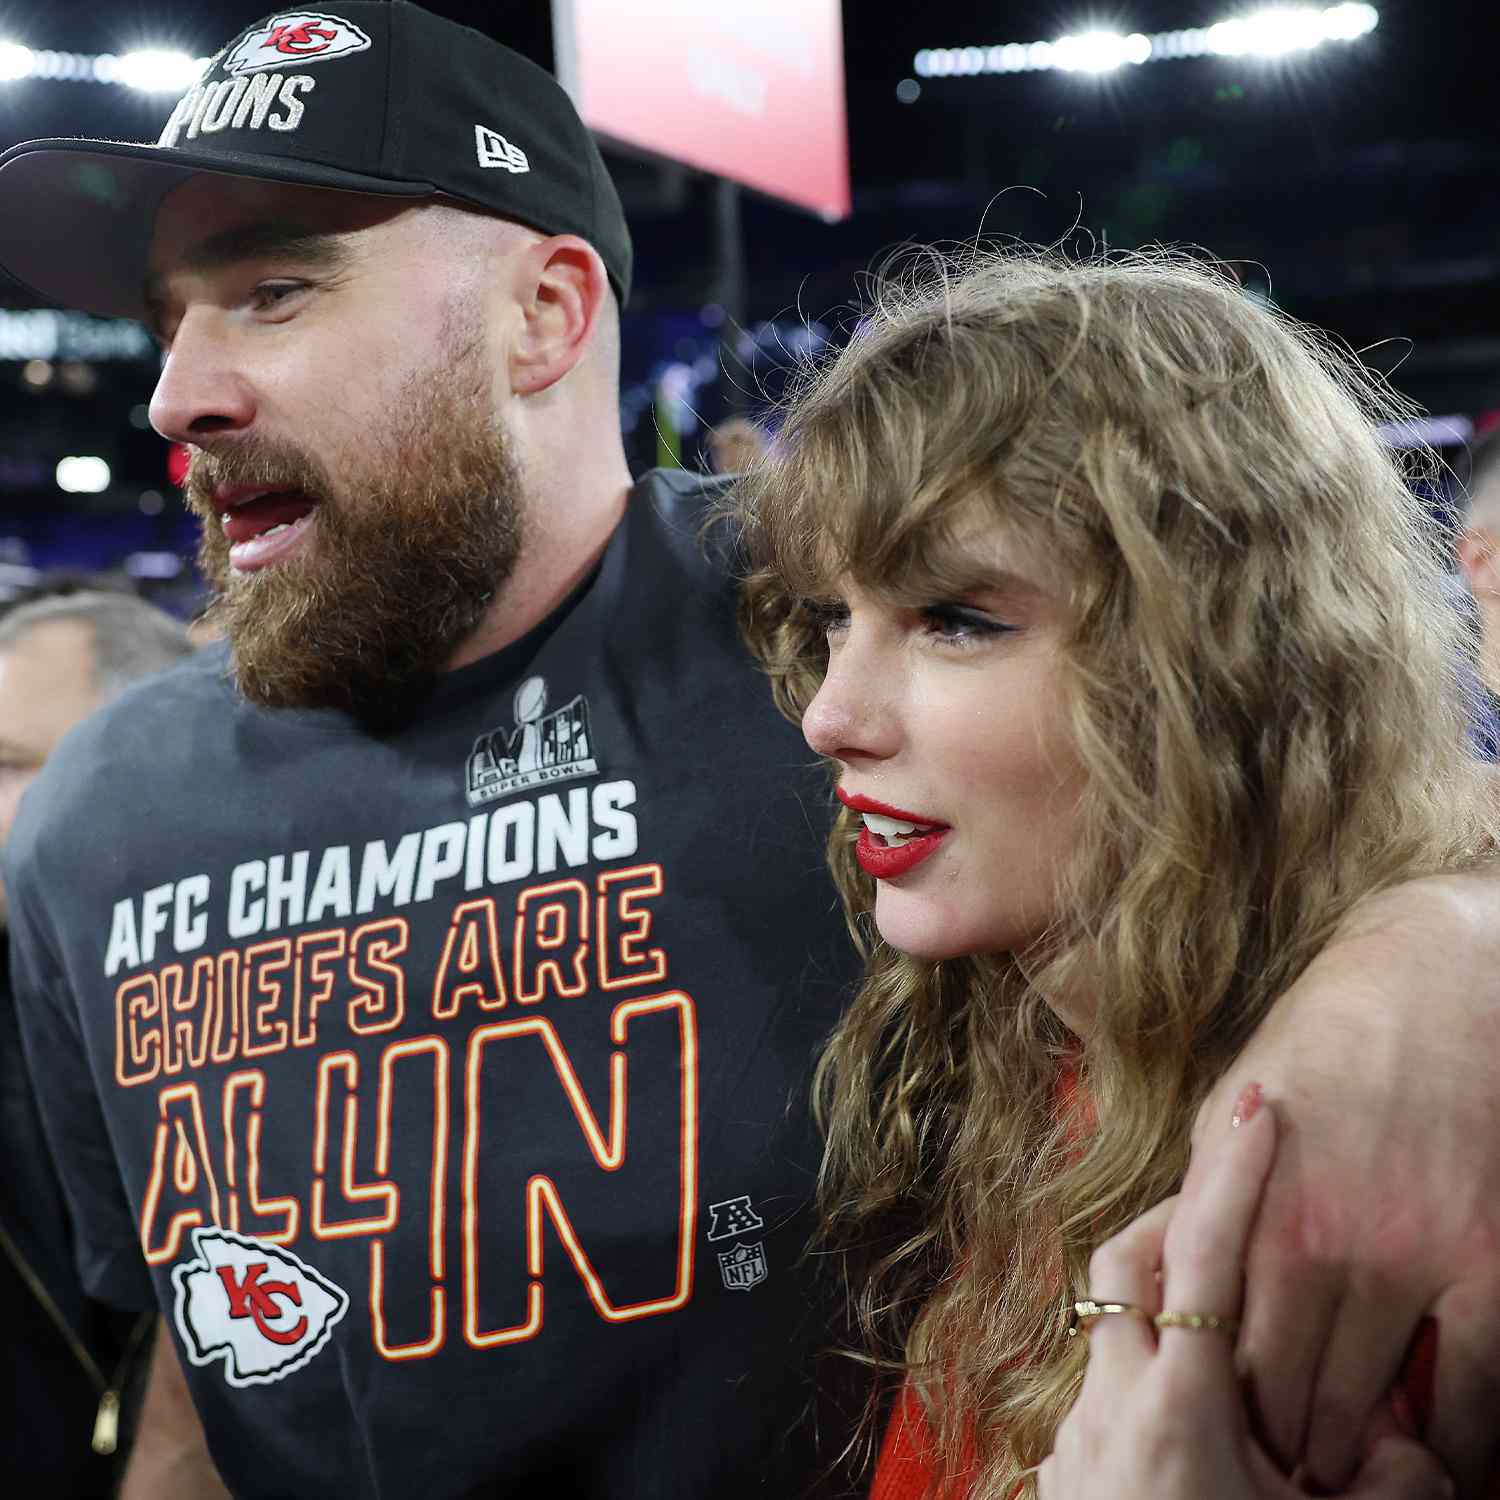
x=743 y=1267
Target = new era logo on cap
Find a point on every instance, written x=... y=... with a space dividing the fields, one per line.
x=290 y=40
x=496 y=151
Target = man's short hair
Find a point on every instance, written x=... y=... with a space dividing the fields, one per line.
x=130 y=637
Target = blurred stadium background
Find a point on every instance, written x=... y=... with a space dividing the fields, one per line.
x=1345 y=156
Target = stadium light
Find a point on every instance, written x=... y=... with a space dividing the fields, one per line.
x=150 y=70
x=1273 y=31
x=1099 y=51
x=154 y=72
x=84 y=475
x=1347 y=23
x=16 y=62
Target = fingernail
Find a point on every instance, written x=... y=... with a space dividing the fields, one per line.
x=1246 y=1105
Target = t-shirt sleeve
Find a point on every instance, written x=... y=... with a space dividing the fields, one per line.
x=106 y=1246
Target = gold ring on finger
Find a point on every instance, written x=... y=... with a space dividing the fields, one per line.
x=1083 y=1313
x=1231 y=1326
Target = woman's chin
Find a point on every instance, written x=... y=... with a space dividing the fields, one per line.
x=923 y=930
x=926 y=939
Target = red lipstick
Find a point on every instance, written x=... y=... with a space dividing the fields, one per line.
x=888 y=861
x=885 y=862
x=856 y=803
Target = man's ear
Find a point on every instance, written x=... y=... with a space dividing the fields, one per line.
x=563 y=291
x=1476 y=559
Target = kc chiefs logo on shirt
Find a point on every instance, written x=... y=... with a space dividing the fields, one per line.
x=294 y=39
x=262 y=1310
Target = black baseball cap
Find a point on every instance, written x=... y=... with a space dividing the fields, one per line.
x=370 y=96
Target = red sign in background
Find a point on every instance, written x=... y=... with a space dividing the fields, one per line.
x=751 y=90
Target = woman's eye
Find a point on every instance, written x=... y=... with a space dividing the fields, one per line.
x=960 y=623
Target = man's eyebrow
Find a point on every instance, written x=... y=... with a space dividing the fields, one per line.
x=283 y=238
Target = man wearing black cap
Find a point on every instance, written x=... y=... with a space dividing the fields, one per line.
x=446 y=952
x=432 y=978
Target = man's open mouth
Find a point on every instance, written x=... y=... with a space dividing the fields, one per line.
x=265 y=514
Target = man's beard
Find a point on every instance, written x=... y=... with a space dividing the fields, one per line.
x=411 y=543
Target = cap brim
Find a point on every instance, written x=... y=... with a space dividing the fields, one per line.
x=76 y=216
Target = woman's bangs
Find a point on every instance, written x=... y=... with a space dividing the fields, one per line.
x=830 y=500
x=853 y=498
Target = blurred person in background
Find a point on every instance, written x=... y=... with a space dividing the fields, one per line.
x=735 y=445
x=66 y=649
x=58 y=583
x=481 y=798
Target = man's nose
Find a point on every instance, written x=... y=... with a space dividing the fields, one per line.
x=200 y=393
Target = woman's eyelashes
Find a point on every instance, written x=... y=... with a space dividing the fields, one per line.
x=948 y=623
x=962 y=624
x=826 y=615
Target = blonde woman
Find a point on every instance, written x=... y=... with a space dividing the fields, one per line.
x=1128 y=645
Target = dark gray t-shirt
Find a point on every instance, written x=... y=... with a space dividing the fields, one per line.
x=447 y=1088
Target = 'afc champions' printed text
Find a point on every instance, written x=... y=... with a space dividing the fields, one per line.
x=232 y=995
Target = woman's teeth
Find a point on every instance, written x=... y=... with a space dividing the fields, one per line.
x=892 y=830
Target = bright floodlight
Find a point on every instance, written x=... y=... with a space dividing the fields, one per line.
x=1268 y=33
x=15 y=61
x=1099 y=51
x=1347 y=23
x=158 y=72
x=83 y=476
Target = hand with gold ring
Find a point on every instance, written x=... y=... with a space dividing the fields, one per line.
x=1161 y=1414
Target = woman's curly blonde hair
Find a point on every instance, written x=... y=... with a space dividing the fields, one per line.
x=1263 y=675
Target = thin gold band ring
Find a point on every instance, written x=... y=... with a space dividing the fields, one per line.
x=1230 y=1326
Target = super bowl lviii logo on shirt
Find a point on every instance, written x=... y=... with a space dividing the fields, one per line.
x=262 y=1310
x=540 y=749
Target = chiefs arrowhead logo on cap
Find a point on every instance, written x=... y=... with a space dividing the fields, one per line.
x=256 y=1306
x=292 y=40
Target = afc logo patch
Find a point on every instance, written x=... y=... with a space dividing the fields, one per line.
x=743 y=1267
x=731 y=1217
x=259 y=1308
